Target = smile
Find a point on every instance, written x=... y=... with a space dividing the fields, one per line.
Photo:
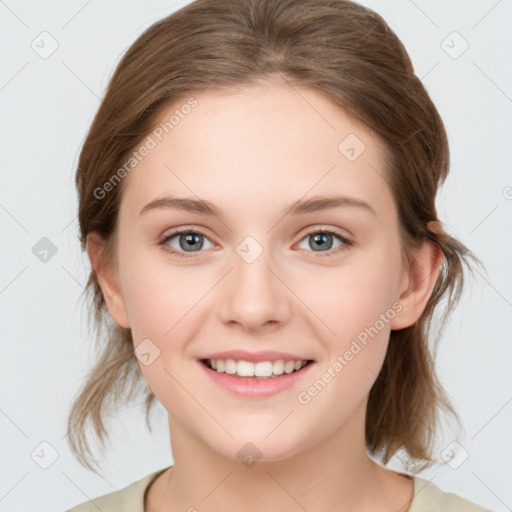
x=246 y=379
x=258 y=370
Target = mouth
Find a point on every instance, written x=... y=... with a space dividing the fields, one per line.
x=268 y=373
x=261 y=370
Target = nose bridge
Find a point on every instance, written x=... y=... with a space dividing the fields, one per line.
x=254 y=295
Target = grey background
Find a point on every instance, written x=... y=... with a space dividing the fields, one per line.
x=47 y=105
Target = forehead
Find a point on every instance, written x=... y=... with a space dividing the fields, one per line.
x=258 y=146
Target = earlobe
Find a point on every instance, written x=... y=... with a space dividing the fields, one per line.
x=423 y=272
x=108 y=279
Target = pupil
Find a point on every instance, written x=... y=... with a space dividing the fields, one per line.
x=318 y=237
x=191 y=238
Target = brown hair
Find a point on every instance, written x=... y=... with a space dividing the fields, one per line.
x=347 y=53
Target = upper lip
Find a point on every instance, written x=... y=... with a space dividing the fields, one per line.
x=267 y=355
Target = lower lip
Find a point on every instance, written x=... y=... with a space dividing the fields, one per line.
x=249 y=387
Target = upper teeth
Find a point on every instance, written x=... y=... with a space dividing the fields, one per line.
x=259 y=369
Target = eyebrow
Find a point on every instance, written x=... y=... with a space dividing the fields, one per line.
x=315 y=204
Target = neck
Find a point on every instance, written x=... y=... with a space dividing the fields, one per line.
x=335 y=474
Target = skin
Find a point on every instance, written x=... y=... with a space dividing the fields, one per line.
x=253 y=152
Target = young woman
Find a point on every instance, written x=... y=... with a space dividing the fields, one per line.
x=257 y=199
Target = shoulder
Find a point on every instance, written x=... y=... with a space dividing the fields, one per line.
x=430 y=498
x=127 y=499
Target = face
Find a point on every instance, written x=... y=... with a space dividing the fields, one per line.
x=318 y=284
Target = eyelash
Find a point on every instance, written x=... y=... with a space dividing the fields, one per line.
x=326 y=254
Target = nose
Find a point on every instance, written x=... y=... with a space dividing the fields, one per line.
x=253 y=296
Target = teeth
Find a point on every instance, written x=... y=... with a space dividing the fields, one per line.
x=229 y=366
x=263 y=369
x=289 y=366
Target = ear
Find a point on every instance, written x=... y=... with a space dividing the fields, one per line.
x=419 y=281
x=108 y=278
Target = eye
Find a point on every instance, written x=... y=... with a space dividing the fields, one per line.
x=186 y=241
x=190 y=241
x=323 y=239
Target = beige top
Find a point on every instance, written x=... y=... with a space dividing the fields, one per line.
x=427 y=498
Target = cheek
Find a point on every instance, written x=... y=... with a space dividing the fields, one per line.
x=365 y=296
x=160 y=307
x=157 y=295
x=357 y=305
x=351 y=297
x=359 y=312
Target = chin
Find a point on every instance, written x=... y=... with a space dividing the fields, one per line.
x=254 y=449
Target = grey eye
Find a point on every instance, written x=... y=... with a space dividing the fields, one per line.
x=321 y=240
x=189 y=241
